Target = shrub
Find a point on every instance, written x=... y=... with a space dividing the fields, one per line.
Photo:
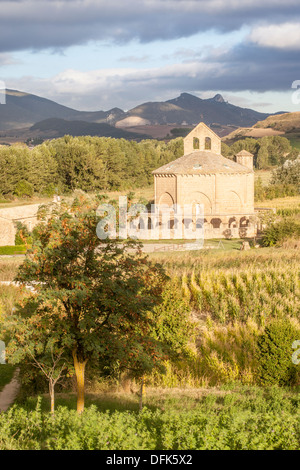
x=277 y=232
x=274 y=354
x=24 y=189
x=22 y=234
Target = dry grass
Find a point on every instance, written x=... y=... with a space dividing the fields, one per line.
x=283 y=203
x=9 y=267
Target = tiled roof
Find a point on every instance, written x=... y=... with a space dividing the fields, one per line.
x=201 y=162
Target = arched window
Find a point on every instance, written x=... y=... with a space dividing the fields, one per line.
x=196 y=143
x=207 y=143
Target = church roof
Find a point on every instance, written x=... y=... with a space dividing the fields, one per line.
x=202 y=162
x=244 y=153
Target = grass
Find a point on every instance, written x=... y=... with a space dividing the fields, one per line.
x=282 y=203
x=244 y=418
x=13 y=250
x=9 y=267
x=24 y=202
x=294 y=139
x=264 y=175
x=165 y=399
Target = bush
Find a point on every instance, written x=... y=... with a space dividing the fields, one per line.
x=277 y=232
x=24 y=189
x=22 y=234
x=274 y=354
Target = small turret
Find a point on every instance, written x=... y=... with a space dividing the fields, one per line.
x=245 y=158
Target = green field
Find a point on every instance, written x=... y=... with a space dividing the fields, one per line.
x=242 y=419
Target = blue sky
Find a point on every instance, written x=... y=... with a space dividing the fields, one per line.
x=93 y=55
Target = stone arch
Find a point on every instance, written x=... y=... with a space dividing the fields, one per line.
x=197 y=197
x=244 y=222
x=232 y=223
x=216 y=222
x=166 y=199
x=234 y=200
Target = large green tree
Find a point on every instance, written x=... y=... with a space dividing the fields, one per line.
x=99 y=294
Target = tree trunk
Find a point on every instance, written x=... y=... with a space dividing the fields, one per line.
x=52 y=399
x=142 y=393
x=79 y=372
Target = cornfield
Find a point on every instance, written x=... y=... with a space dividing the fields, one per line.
x=233 y=296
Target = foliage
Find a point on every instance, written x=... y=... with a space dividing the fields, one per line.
x=268 y=151
x=92 y=297
x=288 y=174
x=273 y=190
x=278 y=231
x=86 y=163
x=94 y=164
x=173 y=326
x=23 y=236
x=24 y=189
x=251 y=419
x=6 y=374
x=274 y=353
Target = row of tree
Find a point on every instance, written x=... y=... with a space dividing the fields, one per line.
x=103 y=164
x=268 y=151
x=86 y=163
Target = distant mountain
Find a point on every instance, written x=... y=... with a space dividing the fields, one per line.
x=54 y=128
x=190 y=110
x=24 y=110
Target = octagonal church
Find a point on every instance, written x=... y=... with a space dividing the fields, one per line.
x=224 y=188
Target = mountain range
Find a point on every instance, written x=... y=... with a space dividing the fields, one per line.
x=27 y=114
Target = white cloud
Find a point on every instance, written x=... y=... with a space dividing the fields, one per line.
x=279 y=36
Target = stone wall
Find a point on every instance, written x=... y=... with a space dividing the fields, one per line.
x=26 y=214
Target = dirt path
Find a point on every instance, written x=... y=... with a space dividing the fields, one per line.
x=9 y=392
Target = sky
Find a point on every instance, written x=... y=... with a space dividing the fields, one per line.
x=99 y=54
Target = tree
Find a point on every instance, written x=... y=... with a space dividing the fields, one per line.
x=101 y=291
x=37 y=338
x=262 y=160
x=274 y=353
x=288 y=173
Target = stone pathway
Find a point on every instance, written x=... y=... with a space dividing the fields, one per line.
x=9 y=392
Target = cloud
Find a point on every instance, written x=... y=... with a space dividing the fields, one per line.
x=244 y=67
x=7 y=59
x=280 y=36
x=135 y=59
x=40 y=24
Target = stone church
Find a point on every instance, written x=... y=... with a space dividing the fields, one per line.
x=202 y=176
